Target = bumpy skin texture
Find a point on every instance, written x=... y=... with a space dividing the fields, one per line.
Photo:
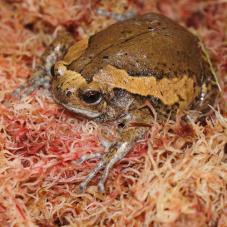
x=125 y=72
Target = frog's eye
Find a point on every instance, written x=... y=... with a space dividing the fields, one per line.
x=91 y=96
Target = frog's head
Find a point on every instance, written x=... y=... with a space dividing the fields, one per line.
x=72 y=91
x=89 y=99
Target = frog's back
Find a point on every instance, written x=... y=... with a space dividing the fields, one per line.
x=150 y=45
x=147 y=45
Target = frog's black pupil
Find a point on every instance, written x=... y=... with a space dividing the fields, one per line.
x=91 y=96
x=52 y=70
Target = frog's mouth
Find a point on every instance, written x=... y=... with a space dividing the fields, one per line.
x=82 y=112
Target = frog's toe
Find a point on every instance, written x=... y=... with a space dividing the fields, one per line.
x=115 y=153
x=91 y=175
x=89 y=156
x=82 y=187
x=101 y=187
x=106 y=172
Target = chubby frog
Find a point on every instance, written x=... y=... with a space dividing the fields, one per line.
x=134 y=71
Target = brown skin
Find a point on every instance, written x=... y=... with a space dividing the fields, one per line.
x=110 y=76
x=146 y=46
x=143 y=46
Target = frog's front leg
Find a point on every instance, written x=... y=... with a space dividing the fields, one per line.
x=115 y=153
x=43 y=72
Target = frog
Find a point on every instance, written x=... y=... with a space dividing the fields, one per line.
x=144 y=69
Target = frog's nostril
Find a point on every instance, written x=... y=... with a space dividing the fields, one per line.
x=68 y=93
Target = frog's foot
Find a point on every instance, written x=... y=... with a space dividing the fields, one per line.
x=36 y=81
x=115 y=153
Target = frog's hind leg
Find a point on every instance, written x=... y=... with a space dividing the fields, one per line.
x=208 y=97
x=39 y=79
x=43 y=72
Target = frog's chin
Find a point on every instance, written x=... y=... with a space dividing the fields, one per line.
x=82 y=112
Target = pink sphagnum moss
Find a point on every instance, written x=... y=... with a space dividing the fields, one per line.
x=177 y=176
